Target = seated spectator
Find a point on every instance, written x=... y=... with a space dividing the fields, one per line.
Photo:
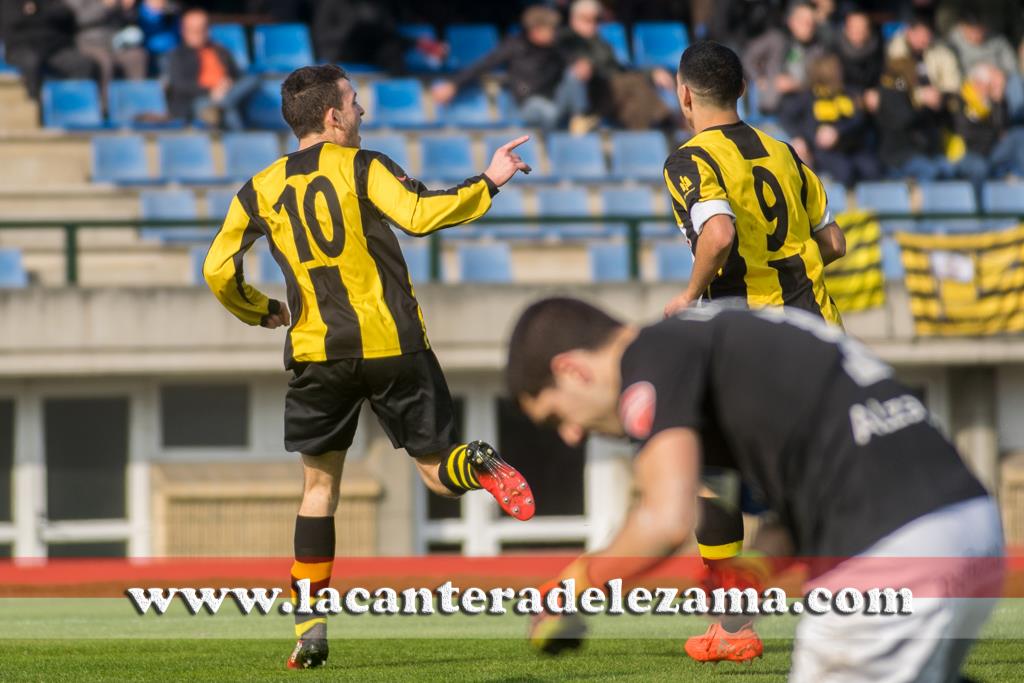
x=984 y=145
x=629 y=98
x=158 y=20
x=860 y=51
x=975 y=45
x=99 y=24
x=833 y=132
x=910 y=135
x=935 y=62
x=40 y=43
x=777 y=61
x=203 y=79
x=365 y=32
x=546 y=92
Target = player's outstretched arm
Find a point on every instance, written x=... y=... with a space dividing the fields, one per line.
x=713 y=248
x=222 y=271
x=417 y=210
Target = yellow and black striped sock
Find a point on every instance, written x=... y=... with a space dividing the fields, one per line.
x=455 y=471
x=314 y=560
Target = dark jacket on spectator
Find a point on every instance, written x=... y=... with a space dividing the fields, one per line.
x=904 y=130
x=862 y=66
x=183 y=78
x=981 y=124
x=596 y=50
x=532 y=69
x=49 y=29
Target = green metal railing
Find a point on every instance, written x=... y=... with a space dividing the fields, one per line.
x=72 y=228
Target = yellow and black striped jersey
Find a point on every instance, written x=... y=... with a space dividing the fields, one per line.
x=325 y=212
x=776 y=203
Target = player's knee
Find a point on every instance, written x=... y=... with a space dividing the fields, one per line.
x=321 y=491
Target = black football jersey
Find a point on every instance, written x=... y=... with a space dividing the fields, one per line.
x=813 y=421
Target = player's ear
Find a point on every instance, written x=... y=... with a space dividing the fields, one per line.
x=568 y=365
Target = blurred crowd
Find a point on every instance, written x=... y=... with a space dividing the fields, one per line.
x=928 y=89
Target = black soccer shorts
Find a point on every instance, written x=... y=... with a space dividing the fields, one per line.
x=408 y=393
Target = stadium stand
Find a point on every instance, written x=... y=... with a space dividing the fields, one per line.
x=269 y=272
x=576 y=157
x=218 y=200
x=469 y=109
x=281 y=48
x=1000 y=196
x=448 y=158
x=138 y=104
x=659 y=44
x=245 y=154
x=415 y=60
x=529 y=152
x=233 y=38
x=399 y=103
x=609 y=262
x=673 y=261
x=263 y=108
x=12 y=272
x=468 y=43
x=614 y=34
x=568 y=201
x=120 y=159
x=172 y=204
x=836 y=194
x=510 y=203
x=887 y=196
x=391 y=145
x=417 y=259
x=634 y=155
x=491 y=262
x=187 y=158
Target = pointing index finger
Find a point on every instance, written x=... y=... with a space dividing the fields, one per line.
x=512 y=144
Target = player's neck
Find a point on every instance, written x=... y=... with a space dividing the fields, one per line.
x=708 y=118
x=317 y=138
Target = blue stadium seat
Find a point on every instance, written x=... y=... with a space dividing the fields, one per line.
x=1002 y=197
x=485 y=262
x=120 y=159
x=186 y=158
x=197 y=256
x=12 y=270
x=576 y=157
x=571 y=201
x=399 y=102
x=270 y=273
x=417 y=259
x=836 y=194
x=170 y=205
x=892 y=263
x=263 y=107
x=890 y=29
x=889 y=196
x=218 y=201
x=628 y=201
x=232 y=38
x=510 y=203
x=659 y=43
x=508 y=111
x=71 y=104
x=246 y=154
x=281 y=48
x=5 y=68
x=391 y=145
x=528 y=152
x=673 y=261
x=469 y=109
x=609 y=262
x=614 y=34
x=638 y=155
x=447 y=157
x=469 y=42
x=128 y=100
x=955 y=196
x=416 y=61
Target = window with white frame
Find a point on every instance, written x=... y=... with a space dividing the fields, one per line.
x=204 y=415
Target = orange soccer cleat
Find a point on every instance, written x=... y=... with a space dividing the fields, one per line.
x=501 y=480
x=717 y=645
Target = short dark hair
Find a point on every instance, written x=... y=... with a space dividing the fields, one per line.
x=544 y=330
x=713 y=72
x=307 y=94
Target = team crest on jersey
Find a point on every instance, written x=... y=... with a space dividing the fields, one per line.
x=636 y=409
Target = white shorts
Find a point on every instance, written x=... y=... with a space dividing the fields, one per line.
x=930 y=644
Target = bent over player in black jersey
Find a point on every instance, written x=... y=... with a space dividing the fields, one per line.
x=844 y=456
x=355 y=330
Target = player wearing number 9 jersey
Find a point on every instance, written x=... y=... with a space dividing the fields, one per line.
x=356 y=331
x=756 y=216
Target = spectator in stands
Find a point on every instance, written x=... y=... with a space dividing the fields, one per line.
x=203 y=79
x=105 y=34
x=910 y=135
x=860 y=51
x=629 y=98
x=158 y=20
x=365 y=32
x=974 y=45
x=545 y=90
x=833 y=131
x=40 y=43
x=985 y=143
x=935 y=63
x=777 y=61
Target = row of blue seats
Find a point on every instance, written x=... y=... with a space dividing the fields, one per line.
x=635 y=155
x=278 y=48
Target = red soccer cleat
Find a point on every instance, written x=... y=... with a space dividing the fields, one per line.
x=501 y=480
x=717 y=645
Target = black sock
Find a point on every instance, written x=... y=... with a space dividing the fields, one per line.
x=314 y=560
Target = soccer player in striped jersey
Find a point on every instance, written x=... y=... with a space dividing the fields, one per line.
x=355 y=329
x=758 y=221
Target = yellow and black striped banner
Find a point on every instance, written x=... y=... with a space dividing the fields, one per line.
x=965 y=284
x=855 y=282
